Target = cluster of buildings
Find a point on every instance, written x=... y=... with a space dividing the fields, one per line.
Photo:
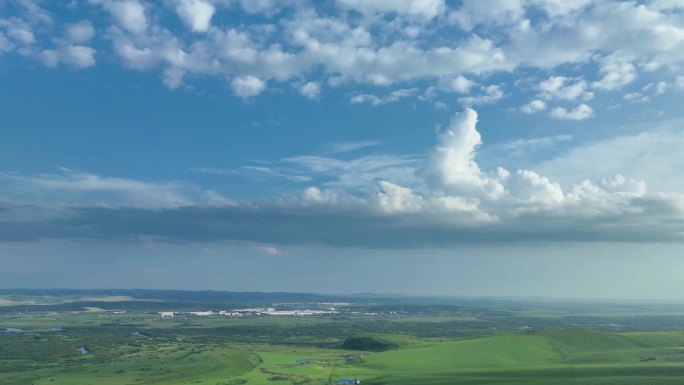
x=250 y=312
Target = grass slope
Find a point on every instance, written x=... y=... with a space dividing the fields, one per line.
x=563 y=357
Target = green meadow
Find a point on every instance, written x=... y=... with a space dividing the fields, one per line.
x=379 y=341
x=176 y=356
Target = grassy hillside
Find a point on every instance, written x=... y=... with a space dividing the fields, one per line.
x=563 y=357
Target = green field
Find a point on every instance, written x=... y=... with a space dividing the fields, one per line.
x=378 y=341
x=119 y=357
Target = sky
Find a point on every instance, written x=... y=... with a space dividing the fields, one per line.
x=465 y=148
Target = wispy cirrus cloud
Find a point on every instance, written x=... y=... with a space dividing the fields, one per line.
x=342 y=147
x=515 y=146
x=84 y=189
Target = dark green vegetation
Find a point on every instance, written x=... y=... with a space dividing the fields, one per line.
x=378 y=340
x=367 y=343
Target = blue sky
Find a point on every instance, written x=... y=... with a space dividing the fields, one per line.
x=471 y=147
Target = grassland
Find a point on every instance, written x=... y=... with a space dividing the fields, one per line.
x=119 y=356
x=426 y=345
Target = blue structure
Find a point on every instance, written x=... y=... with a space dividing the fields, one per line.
x=353 y=382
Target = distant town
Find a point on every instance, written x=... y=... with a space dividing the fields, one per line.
x=280 y=310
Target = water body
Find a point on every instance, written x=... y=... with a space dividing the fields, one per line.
x=17 y=330
x=83 y=350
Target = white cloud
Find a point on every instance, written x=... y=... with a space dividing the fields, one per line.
x=533 y=106
x=393 y=198
x=636 y=97
x=267 y=7
x=561 y=87
x=49 y=58
x=661 y=5
x=354 y=173
x=580 y=112
x=173 y=77
x=533 y=191
x=652 y=155
x=340 y=147
x=76 y=56
x=520 y=147
x=451 y=200
x=80 y=32
x=451 y=165
x=490 y=94
x=371 y=50
x=247 y=86
x=311 y=90
x=455 y=183
x=82 y=189
x=459 y=84
x=268 y=250
x=423 y=8
x=392 y=97
x=497 y=12
x=556 y=8
x=196 y=14
x=616 y=74
x=18 y=30
x=129 y=14
x=679 y=83
x=5 y=44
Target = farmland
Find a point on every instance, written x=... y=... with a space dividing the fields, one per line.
x=371 y=340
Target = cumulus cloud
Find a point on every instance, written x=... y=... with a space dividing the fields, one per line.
x=580 y=112
x=311 y=90
x=603 y=38
x=650 y=155
x=129 y=14
x=451 y=200
x=489 y=94
x=615 y=73
x=679 y=83
x=393 y=198
x=451 y=164
x=80 y=32
x=561 y=87
x=459 y=84
x=374 y=100
x=196 y=14
x=473 y=13
x=18 y=30
x=533 y=106
x=76 y=56
x=636 y=97
x=422 y=8
x=247 y=86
